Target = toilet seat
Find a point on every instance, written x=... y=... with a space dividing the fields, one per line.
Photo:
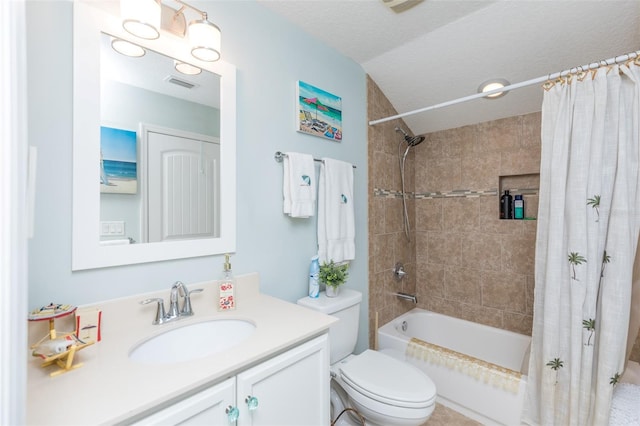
x=388 y=380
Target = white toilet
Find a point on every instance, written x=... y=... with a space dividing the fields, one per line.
x=384 y=390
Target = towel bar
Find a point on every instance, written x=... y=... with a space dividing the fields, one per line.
x=279 y=155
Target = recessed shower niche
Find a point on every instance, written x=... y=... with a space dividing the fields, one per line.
x=527 y=185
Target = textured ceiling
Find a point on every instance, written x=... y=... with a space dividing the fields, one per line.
x=441 y=50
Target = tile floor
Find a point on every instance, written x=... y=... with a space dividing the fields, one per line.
x=444 y=416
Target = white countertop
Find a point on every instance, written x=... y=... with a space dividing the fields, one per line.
x=109 y=388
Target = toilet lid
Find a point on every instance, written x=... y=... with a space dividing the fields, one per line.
x=388 y=380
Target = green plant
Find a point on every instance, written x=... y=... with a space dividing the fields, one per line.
x=332 y=274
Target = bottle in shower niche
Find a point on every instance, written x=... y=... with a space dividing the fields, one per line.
x=314 y=273
x=518 y=207
x=505 y=205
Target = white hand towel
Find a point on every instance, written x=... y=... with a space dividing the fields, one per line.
x=336 y=216
x=298 y=188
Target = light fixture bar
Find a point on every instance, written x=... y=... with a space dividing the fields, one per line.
x=144 y=19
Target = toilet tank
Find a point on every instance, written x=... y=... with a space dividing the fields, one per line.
x=346 y=307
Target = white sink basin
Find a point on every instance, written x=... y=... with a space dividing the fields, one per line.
x=192 y=341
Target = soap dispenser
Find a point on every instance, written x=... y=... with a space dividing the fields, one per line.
x=227 y=300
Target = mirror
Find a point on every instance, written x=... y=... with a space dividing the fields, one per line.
x=137 y=94
x=127 y=205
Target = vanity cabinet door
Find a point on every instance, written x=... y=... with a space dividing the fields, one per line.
x=204 y=408
x=289 y=389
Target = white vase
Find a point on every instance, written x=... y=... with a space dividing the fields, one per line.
x=332 y=291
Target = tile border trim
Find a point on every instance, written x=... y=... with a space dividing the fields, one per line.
x=466 y=193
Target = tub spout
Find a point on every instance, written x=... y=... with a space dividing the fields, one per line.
x=405 y=296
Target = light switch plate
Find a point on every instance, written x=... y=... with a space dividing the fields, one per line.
x=112 y=228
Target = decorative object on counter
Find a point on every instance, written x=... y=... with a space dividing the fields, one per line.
x=333 y=275
x=314 y=273
x=518 y=207
x=227 y=301
x=506 y=202
x=298 y=185
x=89 y=324
x=53 y=348
x=319 y=112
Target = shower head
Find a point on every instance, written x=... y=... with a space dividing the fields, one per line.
x=410 y=140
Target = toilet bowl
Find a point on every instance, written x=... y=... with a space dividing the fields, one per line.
x=382 y=389
x=385 y=391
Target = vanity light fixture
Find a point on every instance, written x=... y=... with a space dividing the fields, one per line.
x=186 y=68
x=128 y=49
x=493 y=84
x=145 y=19
x=141 y=18
x=205 y=39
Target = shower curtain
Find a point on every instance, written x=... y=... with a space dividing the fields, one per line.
x=588 y=224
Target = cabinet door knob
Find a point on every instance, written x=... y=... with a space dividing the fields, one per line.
x=232 y=413
x=252 y=402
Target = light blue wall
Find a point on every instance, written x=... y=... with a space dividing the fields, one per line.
x=271 y=55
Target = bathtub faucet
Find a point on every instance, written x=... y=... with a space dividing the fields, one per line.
x=406 y=296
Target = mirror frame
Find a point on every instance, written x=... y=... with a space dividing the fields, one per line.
x=87 y=253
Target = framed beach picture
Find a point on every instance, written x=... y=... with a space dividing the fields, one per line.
x=118 y=161
x=319 y=112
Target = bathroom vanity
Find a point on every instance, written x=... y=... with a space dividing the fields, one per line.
x=277 y=375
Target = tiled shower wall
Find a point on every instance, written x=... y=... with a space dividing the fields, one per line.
x=387 y=241
x=462 y=260
x=471 y=264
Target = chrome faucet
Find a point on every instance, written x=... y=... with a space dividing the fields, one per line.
x=186 y=310
x=399 y=271
x=406 y=296
x=178 y=289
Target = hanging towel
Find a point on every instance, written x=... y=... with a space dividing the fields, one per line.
x=298 y=188
x=336 y=217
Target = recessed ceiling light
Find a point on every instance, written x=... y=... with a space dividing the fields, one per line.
x=493 y=84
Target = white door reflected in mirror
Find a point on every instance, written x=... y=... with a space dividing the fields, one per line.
x=183 y=188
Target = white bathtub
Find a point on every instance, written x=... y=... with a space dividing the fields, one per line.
x=476 y=368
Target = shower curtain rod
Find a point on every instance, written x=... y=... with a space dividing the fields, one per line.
x=593 y=65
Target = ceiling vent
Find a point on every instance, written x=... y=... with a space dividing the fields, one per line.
x=400 y=5
x=179 y=82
